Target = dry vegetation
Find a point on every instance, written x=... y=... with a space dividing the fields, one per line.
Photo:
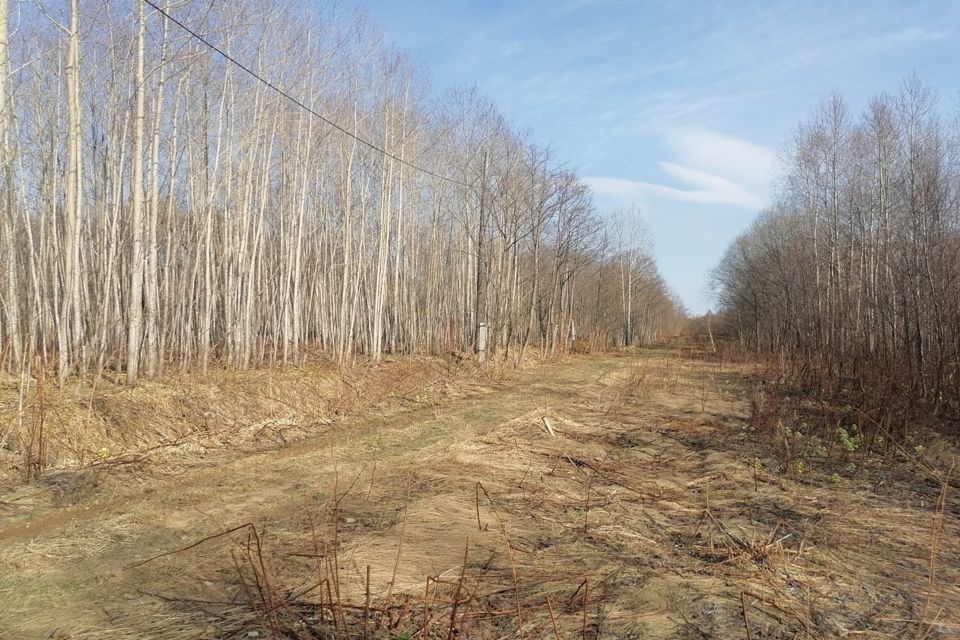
x=631 y=496
x=69 y=439
x=182 y=224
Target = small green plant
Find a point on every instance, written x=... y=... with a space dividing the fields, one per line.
x=849 y=440
x=835 y=477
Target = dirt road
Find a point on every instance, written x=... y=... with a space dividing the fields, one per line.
x=646 y=514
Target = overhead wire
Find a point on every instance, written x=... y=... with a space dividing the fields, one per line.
x=301 y=105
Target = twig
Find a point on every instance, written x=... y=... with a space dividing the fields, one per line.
x=935 y=535
x=553 y=619
x=403 y=526
x=456 y=596
x=549 y=427
x=366 y=608
x=190 y=546
x=736 y=541
x=743 y=610
x=243 y=582
x=426 y=607
x=513 y=564
x=373 y=473
x=350 y=488
x=586 y=601
x=479 y=524
x=336 y=546
x=333 y=611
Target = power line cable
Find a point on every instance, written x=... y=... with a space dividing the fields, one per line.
x=300 y=104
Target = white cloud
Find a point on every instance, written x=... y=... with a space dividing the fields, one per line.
x=701 y=179
x=711 y=169
x=740 y=162
x=632 y=189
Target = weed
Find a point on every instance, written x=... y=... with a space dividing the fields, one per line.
x=851 y=440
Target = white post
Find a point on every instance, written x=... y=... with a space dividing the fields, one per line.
x=482 y=342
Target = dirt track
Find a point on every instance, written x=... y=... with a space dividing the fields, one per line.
x=645 y=516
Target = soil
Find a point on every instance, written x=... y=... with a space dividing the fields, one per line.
x=651 y=511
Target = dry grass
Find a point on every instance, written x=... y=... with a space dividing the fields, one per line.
x=96 y=425
x=641 y=516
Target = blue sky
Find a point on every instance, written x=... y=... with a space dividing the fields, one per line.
x=681 y=108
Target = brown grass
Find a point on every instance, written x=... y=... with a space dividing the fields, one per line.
x=642 y=516
x=95 y=425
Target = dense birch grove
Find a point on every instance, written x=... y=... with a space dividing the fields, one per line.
x=856 y=268
x=163 y=209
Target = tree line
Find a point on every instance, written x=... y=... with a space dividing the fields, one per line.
x=163 y=208
x=856 y=267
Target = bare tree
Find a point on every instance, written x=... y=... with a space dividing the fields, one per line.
x=856 y=269
x=200 y=219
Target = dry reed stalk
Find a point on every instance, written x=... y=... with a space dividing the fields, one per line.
x=268 y=593
x=336 y=545
x=477 y=490
x=456 y=595
x=403 y=526
x=596 y=471
x=513 y=564
x=243 y=582
x=36 y=464
x=586 y=603
x=553 y=619
x=366 y=608
x=189 y=546
x=333 y=611
x=264 y=587
x=426 y=607
x=935 y=537
x=743 y=611
x=316 y=544
x=373 y=473
x=403 y=611
x=333 y=572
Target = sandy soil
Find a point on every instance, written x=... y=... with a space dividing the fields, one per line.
x=644 y=515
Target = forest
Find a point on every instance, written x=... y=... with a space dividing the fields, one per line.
x=299 y=341
x=167 y=208
x=853 y=276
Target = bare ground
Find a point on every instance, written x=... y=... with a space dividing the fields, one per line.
x=645 y=515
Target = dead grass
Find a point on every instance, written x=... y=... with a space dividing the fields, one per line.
x=642 y=515
x=94 y=426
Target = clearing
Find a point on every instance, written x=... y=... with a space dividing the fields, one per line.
x=647 y=513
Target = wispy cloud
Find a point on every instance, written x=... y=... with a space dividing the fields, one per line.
x=903 y=37
x=735 y=159
x=634 y=189
x=710 y=169
x=637 y=94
